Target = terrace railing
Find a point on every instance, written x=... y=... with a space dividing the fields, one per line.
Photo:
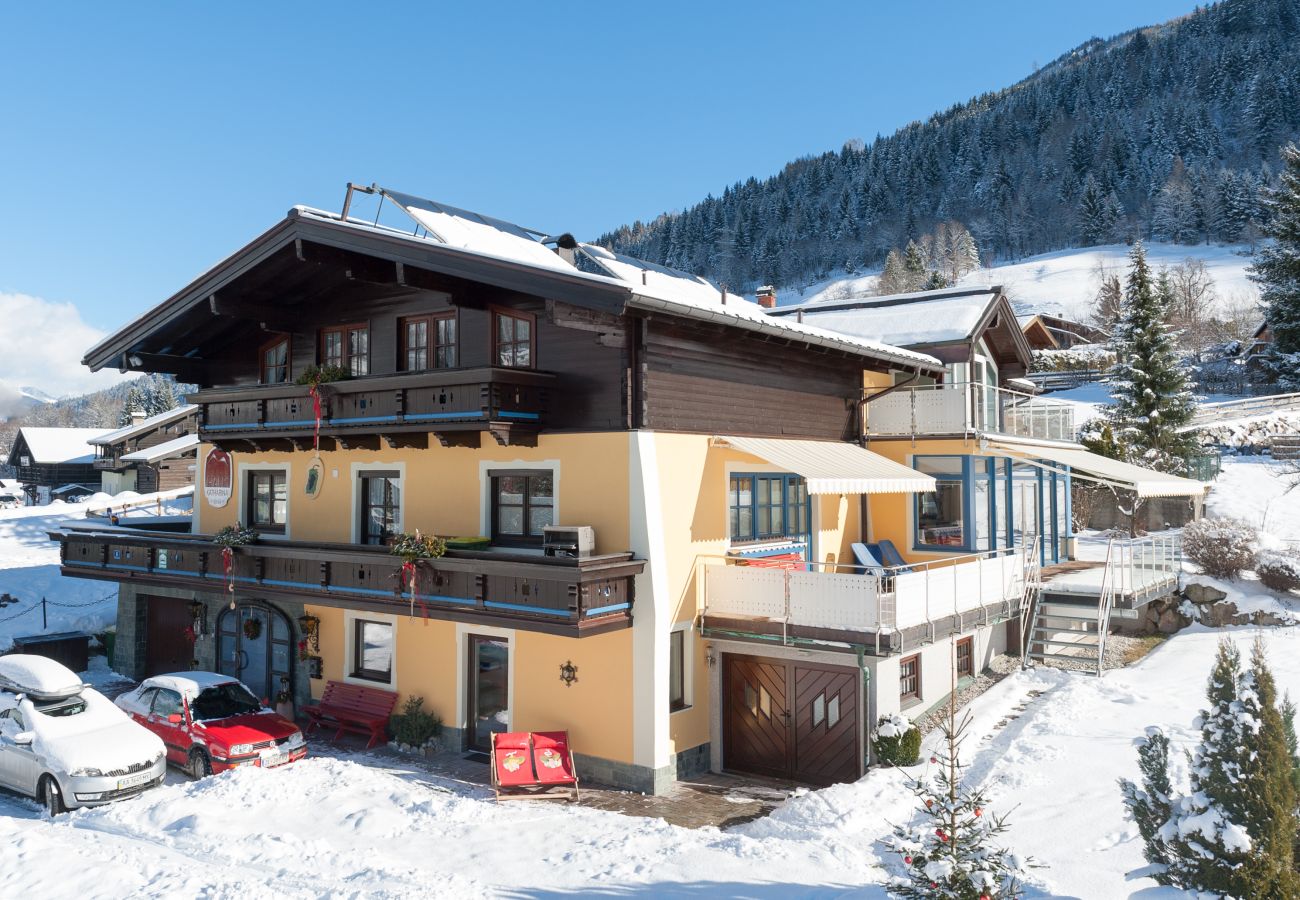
x=969 y=408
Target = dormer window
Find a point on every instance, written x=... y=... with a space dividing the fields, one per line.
x=275 y=360
x=347 y=347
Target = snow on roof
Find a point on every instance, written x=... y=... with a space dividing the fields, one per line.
x=130 y=431
x=471 y=231
x=907 y=320
x=61 y=445
x=161 y=451
x=664 y=289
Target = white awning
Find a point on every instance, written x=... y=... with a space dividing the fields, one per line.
x=834 y=467
x=1126 y=476
x=174 y=447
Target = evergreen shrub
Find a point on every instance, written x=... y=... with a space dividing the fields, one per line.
x=1222 y=547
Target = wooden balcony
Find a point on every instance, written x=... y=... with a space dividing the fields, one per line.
x=531 y=592
x=454 y=405
x=107 y=462
x=966 y=409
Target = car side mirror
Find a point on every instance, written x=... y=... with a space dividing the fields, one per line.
x=175 y=719
x=24 y=738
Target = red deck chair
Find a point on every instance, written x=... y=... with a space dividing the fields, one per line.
x=512 y=764
x=553 y=761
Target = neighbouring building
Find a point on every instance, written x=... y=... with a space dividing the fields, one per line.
x=50 y=459
x=651 y=491
x=157 y=453
x=1048 y=332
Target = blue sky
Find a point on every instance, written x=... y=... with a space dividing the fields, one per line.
x=143 y=142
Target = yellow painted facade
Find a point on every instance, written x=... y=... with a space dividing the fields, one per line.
x=891 y=514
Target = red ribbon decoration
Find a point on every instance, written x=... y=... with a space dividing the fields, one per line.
x=315 y=402
x=410 y=572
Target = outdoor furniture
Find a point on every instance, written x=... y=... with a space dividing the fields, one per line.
x=533 y=766
x=889 y=555
x=868 y=564
x=355 y=709
x=792 y=561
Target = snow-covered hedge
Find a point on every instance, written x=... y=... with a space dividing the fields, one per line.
x=1080 y=358
x=896 y=741
x=1278 y=571
x=1222 y=547
x=1252 y=433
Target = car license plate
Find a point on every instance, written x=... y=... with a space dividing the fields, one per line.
x=134 y=780
x=274 y=758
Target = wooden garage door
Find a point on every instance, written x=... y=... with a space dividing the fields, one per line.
x=166 y=648
x=791 y=720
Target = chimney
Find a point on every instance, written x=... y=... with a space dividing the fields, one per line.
x=566 y=246
x=767 y=297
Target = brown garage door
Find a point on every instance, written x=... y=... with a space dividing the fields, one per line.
x=791 y=719
x=167 y=648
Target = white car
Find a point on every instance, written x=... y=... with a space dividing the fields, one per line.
x=65 y=743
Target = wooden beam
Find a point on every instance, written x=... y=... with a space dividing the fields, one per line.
x=267 y=320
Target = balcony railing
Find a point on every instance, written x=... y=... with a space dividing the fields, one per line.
x=557 y=595
x=966 y=408
x=503 y=401
x=821 y=601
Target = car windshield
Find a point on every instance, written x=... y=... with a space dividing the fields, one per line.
x=223 y=700
x=70 y=707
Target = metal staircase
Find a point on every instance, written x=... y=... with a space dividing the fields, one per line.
x=1073 y=629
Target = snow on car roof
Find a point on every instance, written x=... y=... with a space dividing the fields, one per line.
x=38 y=675
x=61 y=445
x=188 y=684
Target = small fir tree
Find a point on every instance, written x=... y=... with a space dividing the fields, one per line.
x=893 y=279
x=914 y=265
x=1233 y=832
x=953 y=853
x=1151 y=391
x=1276 y=270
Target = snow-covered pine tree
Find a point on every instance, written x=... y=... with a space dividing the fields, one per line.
x=1175 y=215
x=914 y=266
x=893 y=280
x=1097 y=213
x=162 y=397
x=1149 y=806
x=953 y=852
x=968 y=253
x=935 y=281
x=1276 y=270
x=1150 y=388
x=136 y=403
x=1233 y=832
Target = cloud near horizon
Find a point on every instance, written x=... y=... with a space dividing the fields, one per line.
x=41 y=345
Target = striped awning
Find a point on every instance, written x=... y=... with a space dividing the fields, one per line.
x=835 y=467
x=1126 y=476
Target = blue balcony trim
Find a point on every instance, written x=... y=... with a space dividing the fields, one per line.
x=442 y=416
x=530 y=609
x=604 y=609
x=532 y=417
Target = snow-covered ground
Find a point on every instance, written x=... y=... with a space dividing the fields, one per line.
x=29 y=570
x=1065 y=282
x=1047 y=745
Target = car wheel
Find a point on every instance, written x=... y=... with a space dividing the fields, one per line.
x=52 y=797
x=200 y=765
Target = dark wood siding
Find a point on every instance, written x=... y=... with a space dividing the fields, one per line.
x=715 y=380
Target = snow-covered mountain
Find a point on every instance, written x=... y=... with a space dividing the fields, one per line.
x=1065 y=282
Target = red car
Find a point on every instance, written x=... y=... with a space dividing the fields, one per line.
x=211 y=723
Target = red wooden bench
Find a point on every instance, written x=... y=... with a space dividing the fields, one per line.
x=533 y=766
x=353 y=708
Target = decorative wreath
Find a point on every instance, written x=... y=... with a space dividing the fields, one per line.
x=235 y=536
x=412 y=547
x=252 y=628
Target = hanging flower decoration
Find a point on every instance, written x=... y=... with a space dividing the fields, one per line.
x=303 y=651
x=228 y=539
x=415 y=548
x=252 y=628
x=190 y=635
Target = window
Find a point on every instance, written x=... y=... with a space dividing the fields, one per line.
x=348 y=347
x=268 y=500
x=512 y=338
x=167 y=703
x=765 y=507
x=523 y=503
x=275 y=360
x=940 y=514
x=381 y=507
x=966 y=657
x=677 y=670
x=372 y=650
x=428 y=342
x=909 y=678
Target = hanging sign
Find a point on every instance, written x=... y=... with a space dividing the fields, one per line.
x=218 y=478
x=315 y=476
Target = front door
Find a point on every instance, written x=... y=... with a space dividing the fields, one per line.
x=489 y=686
x=254 y=644
x=791 y=720
x=167 y=646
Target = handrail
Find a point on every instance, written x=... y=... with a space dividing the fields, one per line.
x=1104 y=605
x=1033 y=584
x=984 y=407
